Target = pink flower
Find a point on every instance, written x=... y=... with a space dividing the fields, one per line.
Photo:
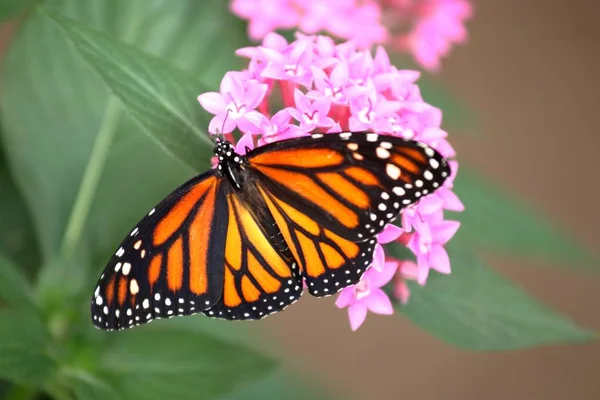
x=311 y=114
x=265 y=15
x=425 y=28
x=430 y=250
x=234 y=105
x=327 y=88
x=406 y=270
x=440 y=25
x=367 y=295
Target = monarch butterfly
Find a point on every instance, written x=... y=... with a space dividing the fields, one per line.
x=237 y=242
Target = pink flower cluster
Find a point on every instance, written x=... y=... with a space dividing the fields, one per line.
x=327 y=87
x=425 y=28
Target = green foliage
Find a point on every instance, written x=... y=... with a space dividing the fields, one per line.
x=23 y=355
x=12 y=8
x=17 y=236
x=15 y=289
x=476 y=309
x=100 y=121
x=160 y=97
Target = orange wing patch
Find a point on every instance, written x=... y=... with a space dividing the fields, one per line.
x=362 y=175
x=175 y=265
x=304 y=158
x=200 y=233
x=328 y=261
x=346 y=189
x=304 y=186
x=177 y=215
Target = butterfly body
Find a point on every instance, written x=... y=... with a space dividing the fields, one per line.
x=238 y=241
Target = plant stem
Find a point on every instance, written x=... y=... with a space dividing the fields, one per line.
x=91 y=177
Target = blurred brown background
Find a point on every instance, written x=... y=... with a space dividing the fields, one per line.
x=530 y=75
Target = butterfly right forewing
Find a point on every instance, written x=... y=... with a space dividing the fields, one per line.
x=332 y=194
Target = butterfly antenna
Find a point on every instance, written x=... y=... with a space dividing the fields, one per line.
x=219 y=132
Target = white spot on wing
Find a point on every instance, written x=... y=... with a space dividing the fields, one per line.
x=372 y=137
x=393 y=171
x=382 y=153
x=126 y=268
x=133 y=287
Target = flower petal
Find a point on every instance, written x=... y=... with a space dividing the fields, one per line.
x=382 y=277
x=409 y=270
x=401 y=292
x=390 y=233
x=357 y=313
x=444 y=231
x=451 y=200
x=430 y=204
x=245 y=141
x=254 y=95
x=378 y=258
x=346 y=297
x=379 y=303
x=212 y=102
x=438 y=260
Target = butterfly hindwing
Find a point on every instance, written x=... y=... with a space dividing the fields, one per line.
x=260 y=274
x=171 y=263
x=329 y=262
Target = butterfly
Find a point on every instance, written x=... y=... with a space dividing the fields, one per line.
x=238 y=242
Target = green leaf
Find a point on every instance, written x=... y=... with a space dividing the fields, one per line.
x=14 y=287
x=280 y=385
x=160 y=97
x=474 y=308
x=12 y=8
x=498 y=222
x=157 y=363
x=23 y=357
x=17 y=236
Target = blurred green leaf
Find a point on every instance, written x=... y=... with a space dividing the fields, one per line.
x=23 y=356
x=477 y=309
x=156 y=363
x=17 y=237
x=12 y=8
x=160 y=97
x=496 y=221
x=280 y=385
x=15 y=290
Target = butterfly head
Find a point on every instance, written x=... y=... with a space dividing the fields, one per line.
x=229 y=161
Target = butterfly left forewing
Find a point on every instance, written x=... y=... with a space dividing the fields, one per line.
x=171 y=262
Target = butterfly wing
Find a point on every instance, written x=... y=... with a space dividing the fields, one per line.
x=171 y=263
x=202 y=249
x=260 y=275
x=332 y=194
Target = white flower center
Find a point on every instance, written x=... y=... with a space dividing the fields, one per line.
x=362 y=289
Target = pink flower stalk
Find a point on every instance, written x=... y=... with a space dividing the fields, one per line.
x=425 y=28
x=340 y=87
